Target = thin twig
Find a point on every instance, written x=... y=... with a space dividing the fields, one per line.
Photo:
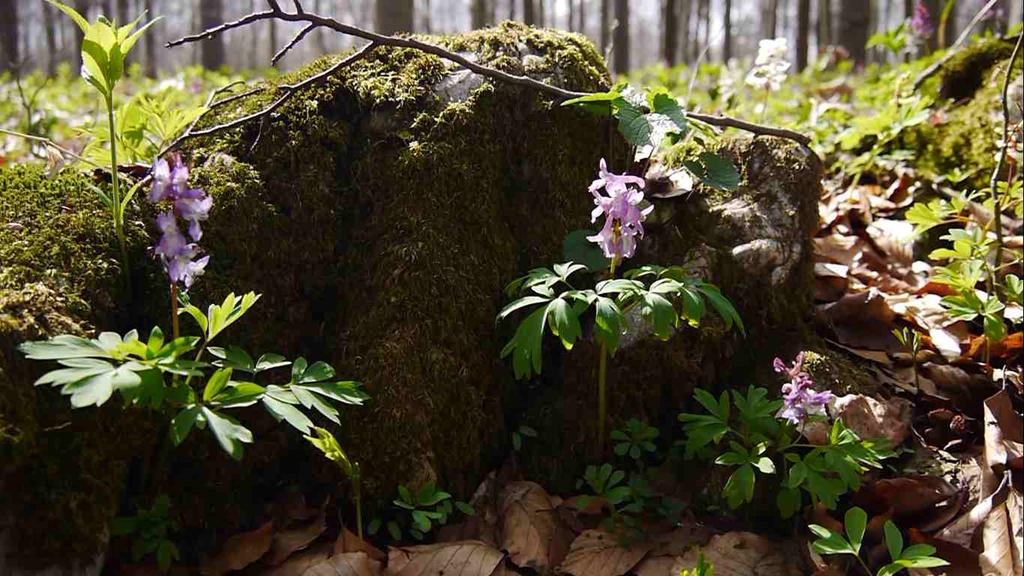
x=288 y=91
x=211 y=103
x=51 y=144
x=997 y=208
x=291 y=44
x=276 y=13
x=935 y=67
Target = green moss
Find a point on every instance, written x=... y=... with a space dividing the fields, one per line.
x=968 y=70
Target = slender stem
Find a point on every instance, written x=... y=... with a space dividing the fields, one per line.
x=994 y=184
x=175 y=328
x=50 y=143
x=602 y=381
x=115 y=194
x=357 y=499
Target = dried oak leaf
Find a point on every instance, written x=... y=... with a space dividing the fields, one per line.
x=598 y=553
x=348 y=542
x=240 y=551
x=532 y=531
x=669 y=547
x=467 y=558
x=347 y=564
x=744 y=554
x=871 y=418
x=287 y=542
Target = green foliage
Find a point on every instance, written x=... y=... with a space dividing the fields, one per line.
x=759 y=444
x=329 y=446
x=519 y=433
x=916 y=556
x=419 y=512
x=665 y=297
x=144 y=126
x=635 y=439
x=894 y=40
x=151 y=531
x=155 y=374
x=703 y=568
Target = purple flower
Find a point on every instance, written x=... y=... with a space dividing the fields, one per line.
x=621 y=207
x=798 y=396
x=178 y=255
x=921 y=22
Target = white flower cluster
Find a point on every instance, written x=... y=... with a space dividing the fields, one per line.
x=770 y=66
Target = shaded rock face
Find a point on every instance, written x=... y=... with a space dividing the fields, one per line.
x=381 y=214
x=754 y=243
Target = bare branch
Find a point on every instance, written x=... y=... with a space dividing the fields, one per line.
x=994 y=183
x=295 y=40
x=375 y=39
x=288 y=90
x=935 y=67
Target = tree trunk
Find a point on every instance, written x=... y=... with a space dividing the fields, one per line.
x=606 y=11
x=570 y=18
x=9 y=50
x=50 y=26
x=727 y=24
x=478 y=14
x=670 y=33
x=853 y=35
x=685 y=7
x=824 y=31
x=540 y=13
x=769 y=18
x=124 y=12
x=581 y=17
x=529 y=17
x=621 y=59
x=705 y=19
x=211 y=14
x=803 y=33
x=149 y=43
x=393 y=16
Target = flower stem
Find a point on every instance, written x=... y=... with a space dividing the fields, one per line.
x=115 y=194
x=175 y=329
x=602 y=382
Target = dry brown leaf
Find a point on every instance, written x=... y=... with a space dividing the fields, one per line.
x=669 y=547
x=999 y=556
x=862 y=320
x=348 y=542
x=532 y=531
x=871 y=418
x=1004 y=433
x=744 y=554
x=287 y=542
x=468 y=558
x=597 y=553
x=924 y=502
x=961 y=532
x=347 y=564
x=240 y=551
x=298 y=564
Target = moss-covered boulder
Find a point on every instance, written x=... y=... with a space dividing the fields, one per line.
x=381 y=213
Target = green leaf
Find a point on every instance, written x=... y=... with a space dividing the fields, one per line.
x=723 y=306
x=564 y=322
x=196 y=315
x=64 y=346
x=829 y=542
x=788 y=501
x=269 y=362
x=317 y=372
x=182 y=424
x=525 y=345
x=78 y=19
x=287 y=412
x=521 y=303
x=715 y=171
x=765 y=465
x=893 y=540
x=233 y=357
x=739 y=488
x=216 y=383
x=229 y=433
x=610 y=96
x=608 y=324
x=856 y=521
x=660 y=312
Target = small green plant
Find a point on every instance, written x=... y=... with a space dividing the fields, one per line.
x=911 y=342
x=157 y=374
x=915 y=556
x=763 y=438
x=636 y=440
x=105 y=46
x=703 y=568
x=520 y=433
x=151 y=531
x=419 y=512
x=331 y=449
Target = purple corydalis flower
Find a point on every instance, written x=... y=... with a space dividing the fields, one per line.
x=799 y=397
x=921 y=22
x=621 y=207
x=178 y=255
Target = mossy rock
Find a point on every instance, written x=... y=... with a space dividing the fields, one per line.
x=968 y=70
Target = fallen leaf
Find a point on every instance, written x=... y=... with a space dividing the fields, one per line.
x=240 y=551
x=348 y=542
x=962 y=560
x=468 y=558
x=298 y=564
x=1004 y=433
x=669 y=547
x=961 y=532
x=347 y=564
x=1000 y=554
x=925 y=502
x=862 y=320
x=287 y=542
x=598 y=553
x=744 y=554
x=871 y=418
x=532 y=532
